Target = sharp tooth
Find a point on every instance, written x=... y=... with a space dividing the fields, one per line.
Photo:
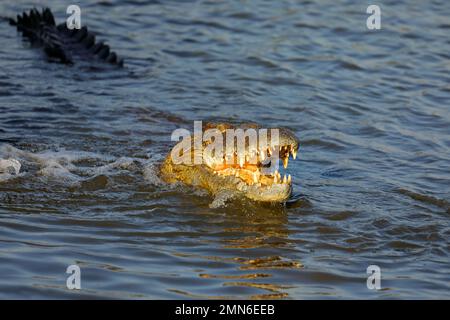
x=275 y=179
x=285 y=162
x=289 y=179
x=284 y=179
x=269 y=152
x=236 y=174
x=294 y=154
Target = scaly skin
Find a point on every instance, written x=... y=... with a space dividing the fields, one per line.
x=247 y=178
x=61 y=44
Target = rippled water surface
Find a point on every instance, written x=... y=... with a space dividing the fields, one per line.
x=371 y=186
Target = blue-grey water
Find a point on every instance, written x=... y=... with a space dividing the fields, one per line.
x=371 y=183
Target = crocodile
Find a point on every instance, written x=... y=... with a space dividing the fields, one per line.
x=251 y=174
x=255 y=176
x=60 y=43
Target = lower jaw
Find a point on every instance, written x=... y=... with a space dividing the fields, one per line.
x=269 y=200
x=261 y=180
x=280 y=194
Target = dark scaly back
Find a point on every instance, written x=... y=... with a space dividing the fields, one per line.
x=59 y=42
x=40 y=29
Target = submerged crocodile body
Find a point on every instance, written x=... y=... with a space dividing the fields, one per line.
x=246 y=177
x=61 y=44
x=246 y=174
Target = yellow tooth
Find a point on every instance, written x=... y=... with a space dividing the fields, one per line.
x=294 y=154
x=289 y=179
x=241 y=162
x=275 y=179
x=269 y=152
x=255 y=178
x=285 y=162
x=262 y=155
x=284 y=179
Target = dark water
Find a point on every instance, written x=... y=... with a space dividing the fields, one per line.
x=372 y=185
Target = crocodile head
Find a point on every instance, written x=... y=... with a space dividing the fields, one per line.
x=251 y=171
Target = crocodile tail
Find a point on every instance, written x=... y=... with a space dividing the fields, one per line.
x=84 y=41
x=39 y=28
x=34 y=21
x=62 y=43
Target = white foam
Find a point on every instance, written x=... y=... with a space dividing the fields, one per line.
x=9 y=168
x=150 y=172
x=62 y=166
x=7 y=164
x=221 y=199
x=73 y=167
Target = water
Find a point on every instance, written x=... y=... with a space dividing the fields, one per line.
x=371 y=186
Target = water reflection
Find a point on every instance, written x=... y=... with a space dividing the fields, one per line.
x=370 y=109
x=254 y=242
